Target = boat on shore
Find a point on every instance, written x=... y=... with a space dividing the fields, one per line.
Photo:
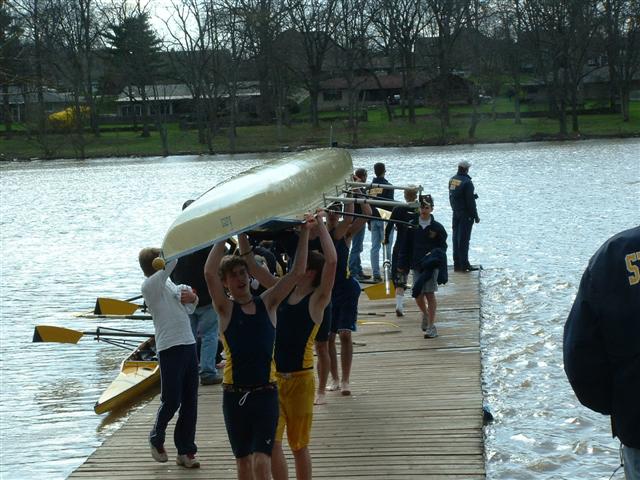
x=139 y=372
x=274 y=195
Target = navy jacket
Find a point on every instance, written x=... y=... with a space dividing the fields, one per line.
x=381 y=193
x=461 y=196
x=418 y=242
x=436 y=258
x=190 y=271
x=602 y=336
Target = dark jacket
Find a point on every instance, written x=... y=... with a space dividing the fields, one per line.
x=418 y=242
x=190 y=271
x=381 y=193
x=461 y=196
x=436 y=258
x=404 y=214
x=602 y=336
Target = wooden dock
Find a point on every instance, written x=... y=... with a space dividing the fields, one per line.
x=415 y=409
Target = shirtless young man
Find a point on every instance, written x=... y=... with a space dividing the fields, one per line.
x=299 y=318
x=247 y=327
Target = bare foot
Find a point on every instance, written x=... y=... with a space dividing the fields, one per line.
x=320 y=399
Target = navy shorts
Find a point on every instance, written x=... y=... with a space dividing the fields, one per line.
x=251 y=419
x=323 y=332
x=344 y=305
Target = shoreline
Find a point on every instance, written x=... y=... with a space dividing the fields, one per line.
x=286 y=149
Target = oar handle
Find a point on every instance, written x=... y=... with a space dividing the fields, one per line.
x=385 y=186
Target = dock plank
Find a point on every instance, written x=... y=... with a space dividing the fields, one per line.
x=415 y=411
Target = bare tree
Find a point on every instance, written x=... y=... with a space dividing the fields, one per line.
x=316 y=22
x=622 y=29
x=404 y=22
x=11 y=50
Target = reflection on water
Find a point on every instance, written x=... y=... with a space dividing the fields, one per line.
x=71 y=232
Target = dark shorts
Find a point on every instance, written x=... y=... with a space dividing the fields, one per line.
x=325 y=326
x=251 y=419
x=344 y=306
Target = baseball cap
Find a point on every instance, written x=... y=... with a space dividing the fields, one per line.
x=464 y=164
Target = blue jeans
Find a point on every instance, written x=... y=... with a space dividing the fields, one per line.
x=631 y=458
x=204 y=323
x=355 y=266
x=377 y=235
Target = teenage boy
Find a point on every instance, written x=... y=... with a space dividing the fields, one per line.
x=420 y=241
x=170 y=306
x=248 y=328
x=299 y=319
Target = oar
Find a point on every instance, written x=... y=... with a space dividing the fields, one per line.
x=368 y=322
x=379 y=291
x=49 y=333
x=112 y=306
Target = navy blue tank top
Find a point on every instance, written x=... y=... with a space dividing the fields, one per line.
x=295 y=335
x=248 y=343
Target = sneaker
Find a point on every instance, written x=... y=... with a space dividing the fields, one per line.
x=159 y=454
x=431 y=332
x=220 y=365
x=363 y=276
x=320 y=399
x=333 y=386
x=346 y=390
x=211 y=380
x=188 y=460
x=377 y=278
x=425 y=322
x=399 y=312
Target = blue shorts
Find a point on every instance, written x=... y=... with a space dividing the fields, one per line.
x=344 y=305
x=251 y=419
x=323 y=332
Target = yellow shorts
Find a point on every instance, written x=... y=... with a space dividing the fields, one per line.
x=295 y=397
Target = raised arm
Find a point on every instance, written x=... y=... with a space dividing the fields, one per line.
x=221 y=302
x=344 y=224
x=256 y=271
x=359 y=222
x=276 y=294
x=322 y=295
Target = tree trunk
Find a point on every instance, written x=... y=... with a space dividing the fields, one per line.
x=6 y=111
x=474 y=115
x=624 y=102
x=574 y=111
x=313 y=99
x=516 y=104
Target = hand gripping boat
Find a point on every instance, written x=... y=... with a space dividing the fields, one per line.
x=269 y=196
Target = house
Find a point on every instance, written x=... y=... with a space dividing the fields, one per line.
x=23 y=101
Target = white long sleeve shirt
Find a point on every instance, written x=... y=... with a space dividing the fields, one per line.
x=170 y=317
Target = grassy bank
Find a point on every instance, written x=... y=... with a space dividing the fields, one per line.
x=376 y=131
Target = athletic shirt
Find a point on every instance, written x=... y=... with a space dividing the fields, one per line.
x=295 y=335
x=248 y=344
x=342 y=265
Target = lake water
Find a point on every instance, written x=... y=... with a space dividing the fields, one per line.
x=71 y=231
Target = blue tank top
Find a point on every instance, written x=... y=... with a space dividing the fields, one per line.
x=342 y=266
x=248 y=344
x=295 y=335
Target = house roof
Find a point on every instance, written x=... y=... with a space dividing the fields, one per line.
x=369 y=82
x=180 y=91
x=20 y=96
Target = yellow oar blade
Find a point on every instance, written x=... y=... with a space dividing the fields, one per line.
x=47 y=333
x=379 y=291
x=111 y=306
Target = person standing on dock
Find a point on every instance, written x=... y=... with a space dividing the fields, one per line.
x=248 y=330
x=355 y=263
x=377 y=226
x=407 y=215
x=170 y=306
x=299 y=319
x=345 y=294
x=420 y=241
x=204 y=320
x=463 y=203
x=601 y=347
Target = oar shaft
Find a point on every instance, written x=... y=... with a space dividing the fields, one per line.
x=385 y=186
x=371 y=201
x=369 y=217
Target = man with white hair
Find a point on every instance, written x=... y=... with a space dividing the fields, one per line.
x=463 y=203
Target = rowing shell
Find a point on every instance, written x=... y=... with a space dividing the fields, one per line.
x=139 y=372
x=270 y=196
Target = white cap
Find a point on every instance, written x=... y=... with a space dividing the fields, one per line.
x=464 y=164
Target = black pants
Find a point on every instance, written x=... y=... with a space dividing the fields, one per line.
x=462 y=225
x=179 y=390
